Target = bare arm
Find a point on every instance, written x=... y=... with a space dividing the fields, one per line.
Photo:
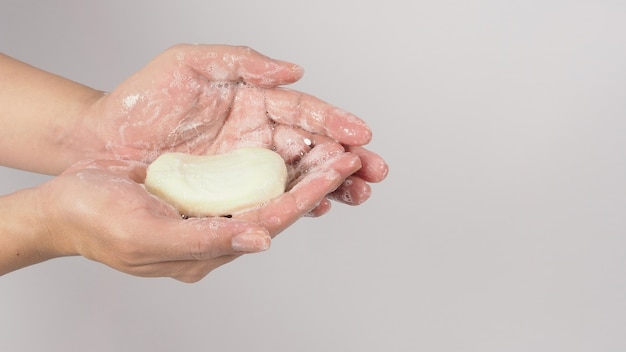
x=22 y=238
x=40 y=118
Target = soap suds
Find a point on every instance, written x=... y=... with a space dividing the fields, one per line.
x=130 y=101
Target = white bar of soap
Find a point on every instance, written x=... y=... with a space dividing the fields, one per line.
x=217 y=185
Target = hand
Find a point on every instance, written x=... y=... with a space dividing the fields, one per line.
x=203 y=99
x=320 y=171
x=100 y=210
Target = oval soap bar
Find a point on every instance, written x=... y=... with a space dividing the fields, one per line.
x=217 y=185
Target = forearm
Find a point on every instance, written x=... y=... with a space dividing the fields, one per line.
x=41 y=118
x=23 y=235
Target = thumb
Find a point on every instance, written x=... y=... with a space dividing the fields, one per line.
x=236 y=63
x=206 y=238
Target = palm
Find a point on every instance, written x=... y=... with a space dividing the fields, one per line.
x=147 y=238
x=212 y=117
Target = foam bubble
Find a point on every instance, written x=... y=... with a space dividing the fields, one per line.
x=131 y=100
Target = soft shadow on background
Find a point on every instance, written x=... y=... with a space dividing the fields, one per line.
x=501 y=226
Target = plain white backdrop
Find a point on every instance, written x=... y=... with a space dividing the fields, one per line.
x=501 y=226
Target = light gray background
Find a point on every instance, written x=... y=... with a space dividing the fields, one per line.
x=501 y=226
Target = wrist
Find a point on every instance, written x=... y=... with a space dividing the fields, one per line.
x=80 y=140
x=25 y=238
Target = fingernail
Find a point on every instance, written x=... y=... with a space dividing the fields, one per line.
x=251 y=242
x=293 y=67
x=297 y=68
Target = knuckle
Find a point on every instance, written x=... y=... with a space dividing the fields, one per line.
x=204 y=248
x=244 y=49
x=192 y=276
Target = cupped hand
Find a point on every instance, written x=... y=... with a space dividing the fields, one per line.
x=100 y=210
x=208 y=99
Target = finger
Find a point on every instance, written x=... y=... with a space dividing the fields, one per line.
x=237 y=63
x=321 y=209
x=328 y=169
x=203 y=238
x=316 y=116
x=321 y=158
x=374 y=168
x=352 y=191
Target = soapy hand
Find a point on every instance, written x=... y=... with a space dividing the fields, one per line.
x=149 y=237
x=100 y=210
x=205 y=99
x=196 y=99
